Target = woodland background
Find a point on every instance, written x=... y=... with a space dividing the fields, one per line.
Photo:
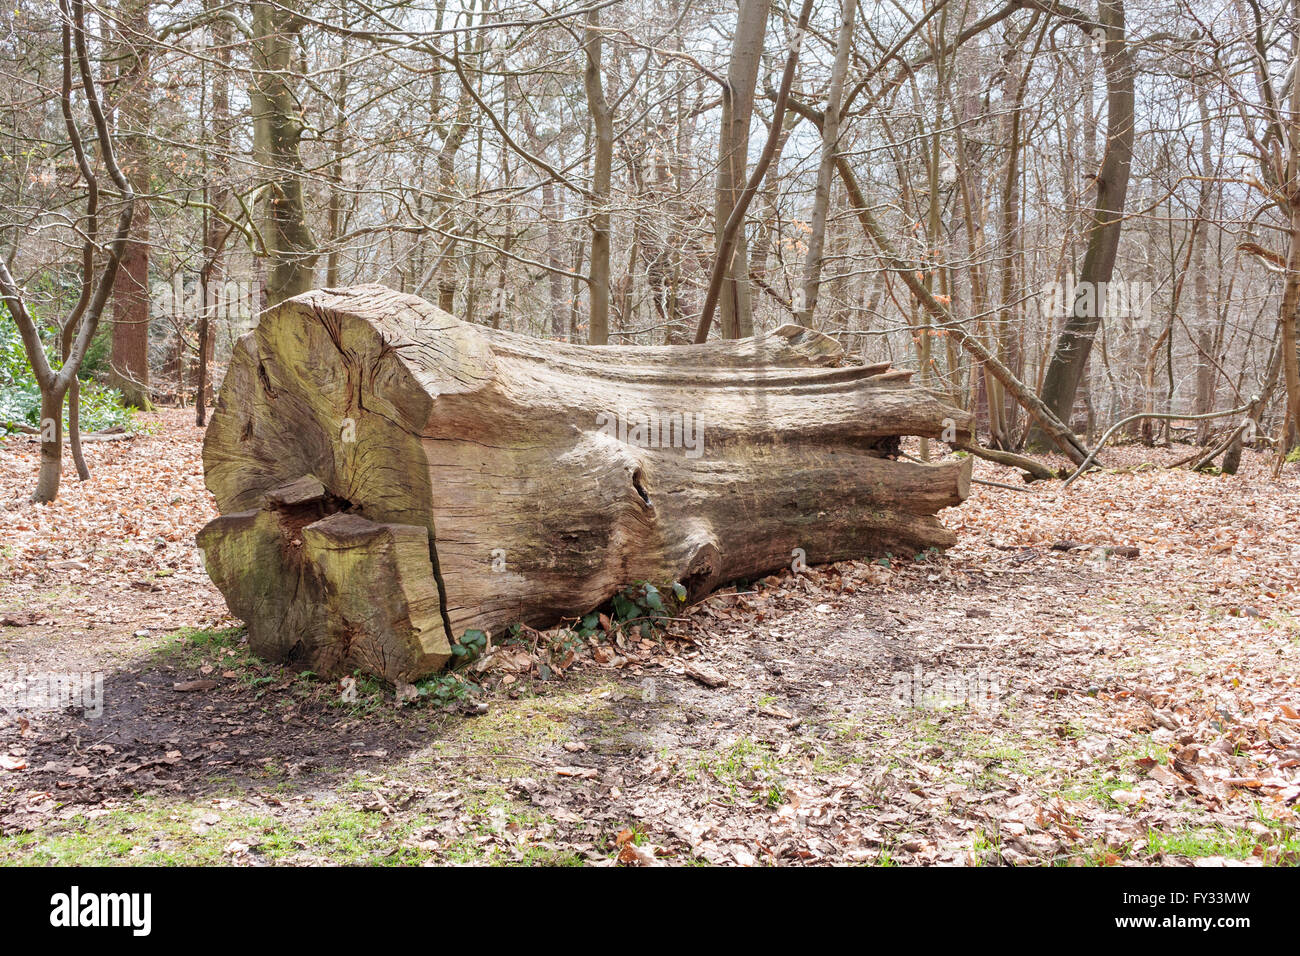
x=942 y=172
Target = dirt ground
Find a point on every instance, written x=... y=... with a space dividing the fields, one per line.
x=1106 y=676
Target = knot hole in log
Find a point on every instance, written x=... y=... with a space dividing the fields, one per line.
x=639 y=484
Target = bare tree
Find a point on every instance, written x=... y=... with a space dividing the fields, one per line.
x=130 y=50
x=1070 y=358
x=602 y=122
x=78 y=327
x=826 y=167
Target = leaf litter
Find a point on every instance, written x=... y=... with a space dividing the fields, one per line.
x=1106 y=676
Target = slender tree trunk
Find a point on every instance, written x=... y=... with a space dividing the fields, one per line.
x=826 y=166
x=1205 y=311
x=1287 y=322
x=735 y=308
x=1011 y=313
x=1070 y=358
x=453 y=139
x=1291 y=290
x=131 y=95
x=601 y=174
x=74 y=405
x=732 y=257
x=215 y=232
x=553 y=209
x=334 y=213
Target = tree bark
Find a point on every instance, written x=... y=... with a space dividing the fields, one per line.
x=1206 y=313
x=826 y=167
x=1288 y=319
x=129 y=372
x=215 y=232
x=366 y=445
x=277 y=129
x=1074 y=346
x=602 y=118
x=1287 y=324
x=732 y=256
x=736 y=316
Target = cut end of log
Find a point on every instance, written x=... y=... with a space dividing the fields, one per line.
x=327 y=590
x=389 y=477
x=964 y=475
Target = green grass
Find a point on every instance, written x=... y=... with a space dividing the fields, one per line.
x=1216 y=841
x=1148 y=749
x=747 y=770
x=984 y=847
x=1096 y=785
x=1236 y=844
x=163 y=833
x=193 y=647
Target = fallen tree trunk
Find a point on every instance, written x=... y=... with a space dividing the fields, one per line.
x=390 y=477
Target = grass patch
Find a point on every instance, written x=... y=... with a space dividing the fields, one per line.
x=1235 y=844
x=746 y=770
x=172 y=834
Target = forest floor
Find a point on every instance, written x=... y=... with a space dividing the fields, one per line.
x=1130 y=696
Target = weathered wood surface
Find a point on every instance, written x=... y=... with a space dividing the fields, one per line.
x=390 y=477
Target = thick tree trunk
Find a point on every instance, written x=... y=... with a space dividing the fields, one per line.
x=277 y=130
x=390 y=477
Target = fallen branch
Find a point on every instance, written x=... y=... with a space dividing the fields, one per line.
x=1035 y=470
x=1166 y=416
